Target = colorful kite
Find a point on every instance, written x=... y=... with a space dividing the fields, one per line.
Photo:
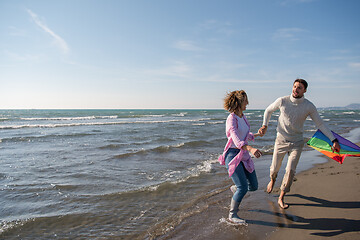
x=323 y=144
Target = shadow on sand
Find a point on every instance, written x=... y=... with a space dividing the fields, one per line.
x=328 y=226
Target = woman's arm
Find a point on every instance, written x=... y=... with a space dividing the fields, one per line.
x=256 y=152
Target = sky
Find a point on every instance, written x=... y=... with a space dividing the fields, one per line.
x=176 y=54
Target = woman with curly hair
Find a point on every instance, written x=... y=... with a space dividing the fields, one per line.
x=236 y=155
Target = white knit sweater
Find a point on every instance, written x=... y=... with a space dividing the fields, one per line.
x=293 y=113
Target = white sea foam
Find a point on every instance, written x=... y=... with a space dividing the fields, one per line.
x=198 y=124
x=204 y=167
x=176 y=177
x=182 y=114
x=55 y=125
x=178 y=145
x=156 y=115
x=217 y=122
x=5 y=226
x=69 y=118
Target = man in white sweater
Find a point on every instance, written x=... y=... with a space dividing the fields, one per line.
x=294 y=110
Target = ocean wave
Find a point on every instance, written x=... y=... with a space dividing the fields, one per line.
x=198 y=124
x=124 y=155
x=178 y=177
x=33 y=138
x=149 y=115
x=311 y=130
x=112 y=146
x=173 y=177
x=217 y=122
x=69 y=118
x=204 y=167
x=9 y=225
x=76 y=124
x=164 y=148
x=65 y=187
x=182 y=114
x=56 y=125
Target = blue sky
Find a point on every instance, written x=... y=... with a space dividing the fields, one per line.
x=176 y=53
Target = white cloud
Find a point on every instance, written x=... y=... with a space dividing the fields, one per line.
x=187 y=46
x=25 y=57
x=255 y=81
x=178 y=69
x=226 y=66
x=14 y=31
x=355 y=65
x=291 y=34
x=222 y=27
x=57 y=39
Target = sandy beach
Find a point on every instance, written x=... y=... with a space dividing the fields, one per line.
x=324 y=203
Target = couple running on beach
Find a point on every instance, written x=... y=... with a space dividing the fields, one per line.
x=294 y=110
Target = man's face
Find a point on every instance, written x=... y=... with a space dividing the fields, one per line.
x=298 y=90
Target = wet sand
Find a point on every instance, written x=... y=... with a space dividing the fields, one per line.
x=324 y=203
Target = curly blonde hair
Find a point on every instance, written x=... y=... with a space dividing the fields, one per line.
x=234 y=99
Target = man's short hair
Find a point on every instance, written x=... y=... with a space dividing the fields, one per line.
x=302 y=81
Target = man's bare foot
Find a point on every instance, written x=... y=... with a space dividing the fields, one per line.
x=282 y=204
x=270 y=186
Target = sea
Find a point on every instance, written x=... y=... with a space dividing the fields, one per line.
x=123 y=174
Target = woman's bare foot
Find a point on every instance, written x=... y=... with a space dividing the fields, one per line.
x=270 y=186
x=282 y=204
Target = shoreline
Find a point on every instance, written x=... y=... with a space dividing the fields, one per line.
x=321 y=205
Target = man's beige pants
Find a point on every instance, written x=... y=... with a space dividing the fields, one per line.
x=281 y=148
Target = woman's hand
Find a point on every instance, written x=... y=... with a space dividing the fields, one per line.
x=254 y=151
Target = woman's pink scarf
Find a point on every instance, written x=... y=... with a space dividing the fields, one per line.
x=243 y=155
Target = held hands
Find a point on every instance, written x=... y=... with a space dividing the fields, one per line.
x=261 y=132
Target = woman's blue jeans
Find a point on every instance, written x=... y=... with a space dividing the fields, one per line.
x=243 y=180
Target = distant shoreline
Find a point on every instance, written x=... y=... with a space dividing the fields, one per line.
x=354 y=107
